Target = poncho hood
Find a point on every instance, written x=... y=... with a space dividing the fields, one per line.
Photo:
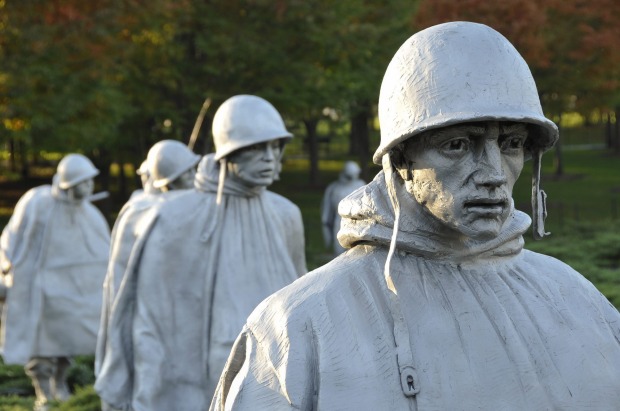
x=63 y=195
x=368 y=218
x=207 y=180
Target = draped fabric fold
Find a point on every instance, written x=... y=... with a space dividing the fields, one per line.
x=58 y=249
x=490 y=325
x=198 y=272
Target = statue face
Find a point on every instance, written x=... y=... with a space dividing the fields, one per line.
x=144 y=179
x=463 y=175
x=351 y=171
x=184 y=181
x=255 y=165
x=83 y=189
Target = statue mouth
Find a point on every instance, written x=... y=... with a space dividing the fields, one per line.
x=486 y=206
x=268 y=172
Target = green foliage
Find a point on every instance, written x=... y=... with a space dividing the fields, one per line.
x=84 y=399
x=82 y=372
x=17 y=394
x=103 y=77
x=13 y=380
x=15 y=403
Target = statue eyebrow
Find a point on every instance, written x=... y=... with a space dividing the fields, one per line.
x=460 y=130
x=513 y=128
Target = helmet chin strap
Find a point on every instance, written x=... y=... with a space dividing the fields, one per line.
x=404 y=357
x=220 y=183
x=539 y=199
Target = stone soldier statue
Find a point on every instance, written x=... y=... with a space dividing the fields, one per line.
x=170 y=167
x=55 y=250
x=437 y=306
x=146 y=181
x=347 y=182
x=210 y=255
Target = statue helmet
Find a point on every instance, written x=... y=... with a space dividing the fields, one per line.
x=244 y=120
x=167 y=160
x=351 y=170
x=454 y=73
x=73 y=169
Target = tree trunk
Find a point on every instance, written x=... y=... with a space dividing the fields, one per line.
x=102 y=161
x=609 y=137
x=616 y=133
x=12 y=162
x=313 y=149
x=122 y=180
x=23 y=158
x=558 y=160
x=360 y=138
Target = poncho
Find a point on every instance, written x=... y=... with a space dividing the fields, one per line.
x=488 y=326
x=58 y=249
x=125 y=232
x=201 y=270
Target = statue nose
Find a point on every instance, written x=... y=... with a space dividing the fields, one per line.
x=269 y=153
x=490 y=172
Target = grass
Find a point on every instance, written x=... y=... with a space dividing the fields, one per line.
x=589 y=190
x=17 y=394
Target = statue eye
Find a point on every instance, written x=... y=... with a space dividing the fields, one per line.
x=255 y=147
x=456 y=145
x=512 y=143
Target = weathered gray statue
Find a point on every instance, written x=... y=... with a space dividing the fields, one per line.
x=146 y=181
x=170 y=166
x=347 y=182
x=210 y=255
x=55 y=251
x=437 y=306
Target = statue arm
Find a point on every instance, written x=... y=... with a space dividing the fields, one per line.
x=264 y=374
x=327 y=217
x=22 y=235
x=298 y=247
x=292 y=237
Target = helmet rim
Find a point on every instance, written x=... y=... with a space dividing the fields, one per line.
x=547 y=127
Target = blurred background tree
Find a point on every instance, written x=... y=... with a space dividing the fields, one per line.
x=110 y=78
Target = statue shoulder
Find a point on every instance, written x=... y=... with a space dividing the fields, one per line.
x=307 y=299
x=557 y=273
x=282 y=205
x=36 y=203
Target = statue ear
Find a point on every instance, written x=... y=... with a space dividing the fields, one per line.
x=405 y=172
x=402 y=166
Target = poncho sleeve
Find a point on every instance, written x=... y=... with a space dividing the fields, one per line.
x=291 y=223
x=20 y=235
x=327 y=215
x=268 y=373
x=296 y=243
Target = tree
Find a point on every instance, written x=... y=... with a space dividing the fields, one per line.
x=60 y=76
x=110 y=78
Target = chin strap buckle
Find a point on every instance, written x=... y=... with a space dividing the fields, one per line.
x=409 y=381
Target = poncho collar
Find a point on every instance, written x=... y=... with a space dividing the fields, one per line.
x=207 y=179
x=368 y=218
x=63 y=195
